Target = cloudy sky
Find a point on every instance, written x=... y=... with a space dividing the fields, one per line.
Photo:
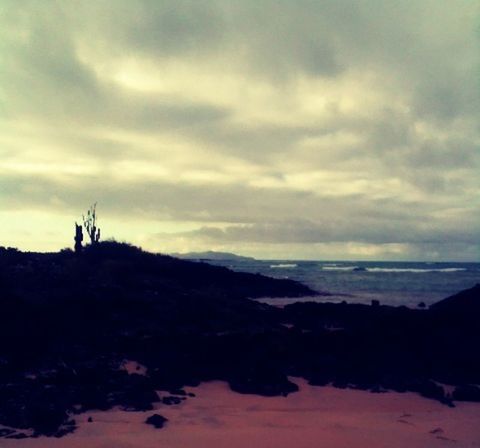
x=307 y=129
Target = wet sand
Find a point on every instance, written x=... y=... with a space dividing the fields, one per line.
x=314 y=417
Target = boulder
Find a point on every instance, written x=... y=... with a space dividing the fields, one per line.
x=156 y=420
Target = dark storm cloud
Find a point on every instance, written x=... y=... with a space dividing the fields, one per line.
x=310 y=233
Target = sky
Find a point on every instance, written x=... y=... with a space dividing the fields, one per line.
x=275 y=129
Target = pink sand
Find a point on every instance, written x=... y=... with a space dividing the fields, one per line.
x=314 y=417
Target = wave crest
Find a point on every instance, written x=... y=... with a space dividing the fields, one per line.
x=283 y=265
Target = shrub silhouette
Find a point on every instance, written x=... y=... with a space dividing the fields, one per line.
x=90 y=224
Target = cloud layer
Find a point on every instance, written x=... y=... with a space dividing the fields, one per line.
x=308 y=129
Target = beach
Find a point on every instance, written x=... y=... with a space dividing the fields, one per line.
x=91 y=357
x=313 y=417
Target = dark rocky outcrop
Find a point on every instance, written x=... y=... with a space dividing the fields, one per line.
x=466 y=303
x=466 y=392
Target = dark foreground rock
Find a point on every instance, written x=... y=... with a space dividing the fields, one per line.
x=68 y=323
x=464 y=304
x=156 y=420
x=262 y=381
x=467 y=392
x=172 y=400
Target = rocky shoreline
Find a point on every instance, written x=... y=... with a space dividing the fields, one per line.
x=69 y=323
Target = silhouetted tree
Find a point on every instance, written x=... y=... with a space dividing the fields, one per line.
x=90 y=224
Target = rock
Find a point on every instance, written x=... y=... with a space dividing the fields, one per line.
x=429 y=389
x=19 y=435
x=395 y=383
x=170 y=400
x=465 y=302
x=156 y=420
x=68 y=428
x=177 y=392
x=46 y=418
x=90 y=420
x=262 y=382
x=136 y=393
x=466 y=393
x=6 y=432
x=377 y=389
x=319 y=379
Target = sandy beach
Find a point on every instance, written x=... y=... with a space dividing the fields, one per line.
x=313 y=417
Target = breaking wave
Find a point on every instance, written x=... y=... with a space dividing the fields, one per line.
x=339 y=268
x=399 y=270
x=418 y=271
x=283 y=265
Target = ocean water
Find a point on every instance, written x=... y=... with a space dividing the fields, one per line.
x=392 y=283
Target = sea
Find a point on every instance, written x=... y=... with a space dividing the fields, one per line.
x=392 y=283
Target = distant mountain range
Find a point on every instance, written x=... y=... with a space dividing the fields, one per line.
x=211 y=255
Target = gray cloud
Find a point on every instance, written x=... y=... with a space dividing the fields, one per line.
x=261 y=123
x=362 y=230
